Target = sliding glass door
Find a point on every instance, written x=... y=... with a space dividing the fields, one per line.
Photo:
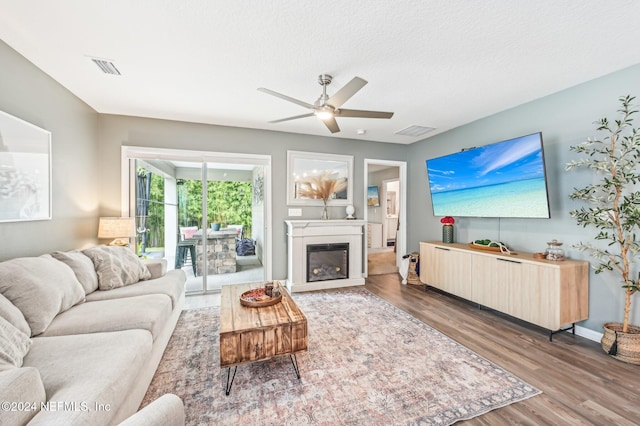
x=205 y=214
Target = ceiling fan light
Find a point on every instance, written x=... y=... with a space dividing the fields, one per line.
x=324 y=114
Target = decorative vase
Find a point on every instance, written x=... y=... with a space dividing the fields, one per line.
x=447 y=233
x=215 y=226
x=325 y=212
x=622 y=346
x=350 y=211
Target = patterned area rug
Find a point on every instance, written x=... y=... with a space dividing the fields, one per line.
x=368 y=363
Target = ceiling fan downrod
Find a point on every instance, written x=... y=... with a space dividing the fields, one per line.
x=324 y=80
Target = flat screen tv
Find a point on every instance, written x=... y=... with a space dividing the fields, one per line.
x=373 y=197
x=505 y=179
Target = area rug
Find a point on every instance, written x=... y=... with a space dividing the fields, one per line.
x=368 y=363
x=381 y=263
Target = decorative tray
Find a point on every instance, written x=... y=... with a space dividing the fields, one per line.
x=256 y=298
x=486 y=248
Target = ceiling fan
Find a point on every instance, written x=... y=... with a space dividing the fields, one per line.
x=328 y=108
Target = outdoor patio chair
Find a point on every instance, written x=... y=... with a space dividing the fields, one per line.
x=186 y=246
x=238 y=229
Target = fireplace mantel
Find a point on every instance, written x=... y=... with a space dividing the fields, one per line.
x=300 y=233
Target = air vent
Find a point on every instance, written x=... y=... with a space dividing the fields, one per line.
x=107 y=67
x=415 y=131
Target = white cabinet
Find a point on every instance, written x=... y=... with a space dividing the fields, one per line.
x=374 y=235
x=546 y=293
x=392 y=227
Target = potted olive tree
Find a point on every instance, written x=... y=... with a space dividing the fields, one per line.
x=613 y=208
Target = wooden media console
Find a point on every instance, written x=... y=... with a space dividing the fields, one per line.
x=546 y=293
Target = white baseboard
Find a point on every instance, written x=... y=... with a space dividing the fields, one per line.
x=588 y=333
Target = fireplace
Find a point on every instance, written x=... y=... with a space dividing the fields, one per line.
x=327 y=262
x=346 y=235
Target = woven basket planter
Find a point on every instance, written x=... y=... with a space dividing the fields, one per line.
x=413 y=277
x=628 y=344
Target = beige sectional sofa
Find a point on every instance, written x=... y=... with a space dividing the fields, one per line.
x=81 y=336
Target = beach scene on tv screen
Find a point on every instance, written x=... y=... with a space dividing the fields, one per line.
x=504 y=179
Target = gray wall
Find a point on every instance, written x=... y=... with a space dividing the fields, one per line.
x=29 y=94
x=116 y=131
x=565 y=118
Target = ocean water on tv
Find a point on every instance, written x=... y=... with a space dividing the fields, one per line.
x=524 y=198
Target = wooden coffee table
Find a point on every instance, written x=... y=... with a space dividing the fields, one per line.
x=257 y=334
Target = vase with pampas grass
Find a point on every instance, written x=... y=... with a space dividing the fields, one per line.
x=322 y=187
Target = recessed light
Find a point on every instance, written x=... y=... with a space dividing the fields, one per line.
x=361 y=131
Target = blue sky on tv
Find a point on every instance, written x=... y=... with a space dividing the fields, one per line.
x=508 y=161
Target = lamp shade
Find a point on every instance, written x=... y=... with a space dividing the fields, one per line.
x=117 y=227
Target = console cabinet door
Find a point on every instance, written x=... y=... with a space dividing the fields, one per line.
x=530 y=292
x=431 y=265
x=446 y=269
x=486 y=288
x=535 y=296
x=509 y=279
x=457 y=274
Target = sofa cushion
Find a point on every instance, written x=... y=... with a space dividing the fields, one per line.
x=23 y=386
x=171 y=284
x=168 y=410
x=157 y=267
x=149 y=312
x=41 y=287
x=14 y=344
x=11 y=313
x=82 y=266
x=116 y=266
x=90 y=369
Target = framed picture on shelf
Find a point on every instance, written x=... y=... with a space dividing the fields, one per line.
x=25 y=171
x=312 y=176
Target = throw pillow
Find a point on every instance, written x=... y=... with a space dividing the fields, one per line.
x=11 y=313
x=14 y=344
x=116 y=266
x=82 y=266
x=41 y=287
x=157 y=267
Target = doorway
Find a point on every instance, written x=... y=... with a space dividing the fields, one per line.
x=390 y=208
x=215 y=213
x=386 y=216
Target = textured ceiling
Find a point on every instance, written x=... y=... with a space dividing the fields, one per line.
x=434 y=63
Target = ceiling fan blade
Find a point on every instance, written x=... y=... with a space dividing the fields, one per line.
x=286 y=98
x=346 y=92
x=363 y=114
x=331 y=124
x=292 y=118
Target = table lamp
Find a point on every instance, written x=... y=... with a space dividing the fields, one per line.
x=119 y=228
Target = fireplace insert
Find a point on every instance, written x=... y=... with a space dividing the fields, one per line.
x=327 y=262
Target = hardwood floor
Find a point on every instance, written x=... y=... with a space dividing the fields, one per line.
x=581 y=385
